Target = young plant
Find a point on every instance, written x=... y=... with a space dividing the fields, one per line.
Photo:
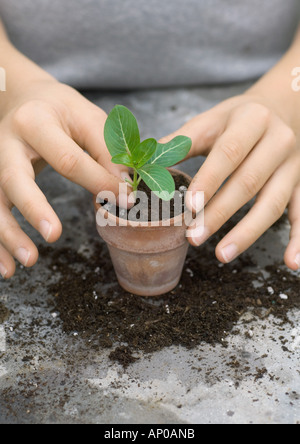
x=149 y=159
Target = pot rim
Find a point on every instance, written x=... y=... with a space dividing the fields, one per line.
x=175 y=221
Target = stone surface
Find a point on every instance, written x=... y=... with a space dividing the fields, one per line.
x=47 y=376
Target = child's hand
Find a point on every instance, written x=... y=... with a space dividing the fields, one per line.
x=248 y=144
x=48 y=123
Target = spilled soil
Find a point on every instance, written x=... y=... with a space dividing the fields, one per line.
x=204 y=307
x=4 y=313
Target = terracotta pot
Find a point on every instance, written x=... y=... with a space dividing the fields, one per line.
x=148 y=260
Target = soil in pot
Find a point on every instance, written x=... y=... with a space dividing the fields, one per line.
x=147 y=213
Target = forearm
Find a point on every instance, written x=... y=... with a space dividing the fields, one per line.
x=276 y=87
x=20 y=71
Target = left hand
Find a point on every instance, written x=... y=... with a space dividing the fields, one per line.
x=253 y=148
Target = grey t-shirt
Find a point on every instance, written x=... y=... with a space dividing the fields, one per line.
x=151 y=43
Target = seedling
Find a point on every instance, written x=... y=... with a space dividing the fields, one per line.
x=149 y=159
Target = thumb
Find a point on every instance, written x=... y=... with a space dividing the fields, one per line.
x=203 y=129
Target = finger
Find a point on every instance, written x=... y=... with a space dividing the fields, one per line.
x=89 y=134
x=68 y=159
x=268 y=208
x=245 y=128
x=7 y=264
x=292 y=254
x=14 y=240
x=17 y=180
x=246 y=181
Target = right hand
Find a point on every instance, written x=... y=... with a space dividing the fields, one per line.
x=50 y=123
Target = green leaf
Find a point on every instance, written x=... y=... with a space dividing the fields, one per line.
x=122 y=159
x=121 y=132
x=169 y=154
x=159 y=180
x=143 y=152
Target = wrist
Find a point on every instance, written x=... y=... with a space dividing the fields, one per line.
x=275 y=89
x=285 y=106
x=21 y=76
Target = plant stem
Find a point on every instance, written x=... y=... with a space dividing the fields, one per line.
x=129 y=181
x=135 y=181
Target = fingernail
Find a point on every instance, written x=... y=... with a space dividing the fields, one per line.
x=131 y=199
x=198 y=201
x=23 y=256
x=297 y=260
x=125 y=176
x=124 y=201
x=198 y=235
x=230 y=252
x=45 y=229
x=3 y=271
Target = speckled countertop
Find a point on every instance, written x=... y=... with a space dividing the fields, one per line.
x=47 y=376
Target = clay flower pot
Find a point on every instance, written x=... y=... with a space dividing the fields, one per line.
x=148 y=260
